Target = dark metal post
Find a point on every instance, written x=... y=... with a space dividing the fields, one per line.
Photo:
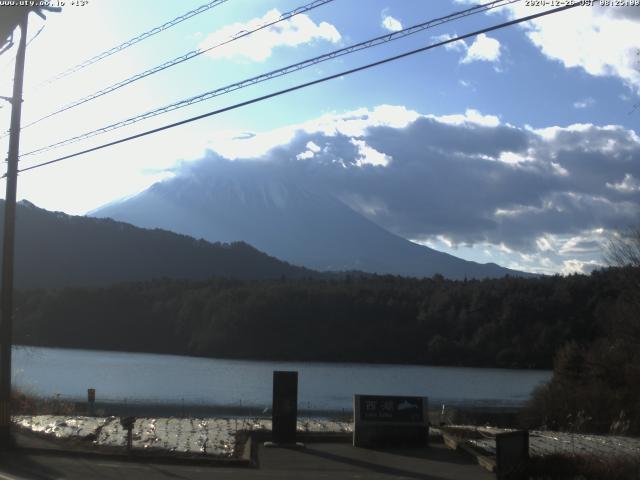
x=285 y=407
x=91 y=400
x=6 y=308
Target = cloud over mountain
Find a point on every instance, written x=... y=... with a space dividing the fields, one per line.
x=548 y=195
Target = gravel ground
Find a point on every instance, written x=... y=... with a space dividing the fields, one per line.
x=208 y=436
x=61 y=427
x=546 y=442
x=217 y=436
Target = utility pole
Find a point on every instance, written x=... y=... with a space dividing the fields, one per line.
x=6 y=307
x=20 y=18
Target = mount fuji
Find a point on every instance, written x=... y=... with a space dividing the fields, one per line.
x=285 y=218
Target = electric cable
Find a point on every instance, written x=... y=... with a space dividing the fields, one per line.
x=306 y=84
x=134 y=40
x=176 y=61
x=276 y=73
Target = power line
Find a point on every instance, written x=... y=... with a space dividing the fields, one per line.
x=12 y=60
x=182 y=58
x=134 y=40
x=277 y=73
x=305 y=85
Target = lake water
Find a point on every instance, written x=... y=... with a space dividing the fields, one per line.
x=141 y=377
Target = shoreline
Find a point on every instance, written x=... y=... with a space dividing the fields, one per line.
x=277 y=360
x=497 y=415
x=174 y=406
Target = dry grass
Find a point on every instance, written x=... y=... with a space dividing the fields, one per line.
x=23 y=403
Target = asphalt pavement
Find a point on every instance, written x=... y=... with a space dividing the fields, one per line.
x=314 y=461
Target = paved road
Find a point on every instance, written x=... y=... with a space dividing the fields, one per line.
x=316 y=461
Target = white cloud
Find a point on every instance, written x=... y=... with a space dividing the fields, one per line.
x=627 y=185
x=391 y=24
x=579 y=266
x=355 y=123
x=599 y=40
x=458 y=179
x=459 y=46
x=559 y=169
x=565 y=254
x=552 y=133
x=259 y=46
x=310 y=152
x=546 y=261
x=470 y=116
x=546 y=243
x=369 y=155
x=446 y=241
x=513 y=158
x=584 y=243
x=484 y=48
x=313 y=147
x=520 y=211
x=587 y=102
x=307 y=154
x=541 y=200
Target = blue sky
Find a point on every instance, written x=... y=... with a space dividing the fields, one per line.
x=517 y=147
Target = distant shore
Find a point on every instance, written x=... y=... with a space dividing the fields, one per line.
x=276 y=358
x=497 y=415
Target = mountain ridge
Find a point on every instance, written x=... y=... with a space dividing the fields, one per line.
x=56 y=250
x=290 y=220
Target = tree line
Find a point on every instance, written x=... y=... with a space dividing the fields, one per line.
x=509 y=322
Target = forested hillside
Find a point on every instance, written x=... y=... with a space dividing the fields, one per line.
x=57 y=250
x=510 y=322
x=596 y=386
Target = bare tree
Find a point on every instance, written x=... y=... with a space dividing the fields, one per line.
x=623 y=248
x=637 y=105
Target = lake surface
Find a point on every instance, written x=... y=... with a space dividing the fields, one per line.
x=141 y=377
